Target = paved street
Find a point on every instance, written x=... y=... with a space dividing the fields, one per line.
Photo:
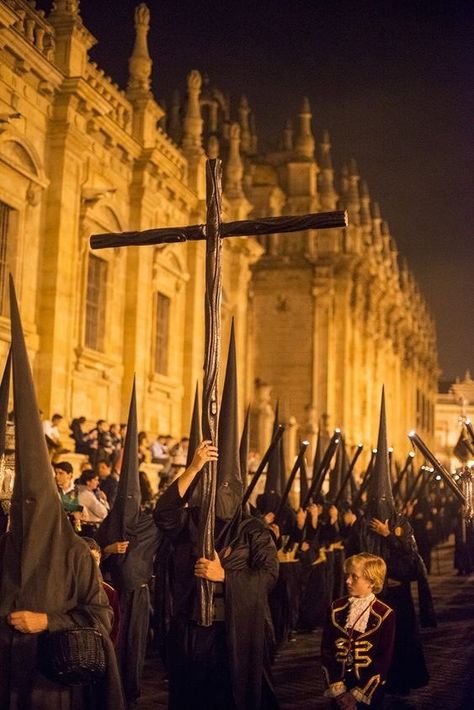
x=449 y=650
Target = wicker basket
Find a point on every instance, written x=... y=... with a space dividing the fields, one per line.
x=72 y=657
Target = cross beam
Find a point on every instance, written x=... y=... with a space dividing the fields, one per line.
x=212 y=232
x=243 y=228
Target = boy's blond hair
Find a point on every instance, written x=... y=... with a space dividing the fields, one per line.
x=373 y=568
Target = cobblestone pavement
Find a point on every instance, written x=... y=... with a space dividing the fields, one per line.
x=449 y=651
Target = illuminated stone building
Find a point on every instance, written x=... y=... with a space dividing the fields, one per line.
x=321 y=319
x=454 y=404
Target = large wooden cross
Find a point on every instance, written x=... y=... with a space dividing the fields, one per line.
x=212 y=232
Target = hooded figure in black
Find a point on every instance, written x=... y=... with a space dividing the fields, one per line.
x=388 y=534
x=269 y=501
x=130 y=572
x=225 y=665
x=48 y=578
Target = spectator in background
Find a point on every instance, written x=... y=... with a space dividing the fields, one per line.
x=117 y=443
x=108 y=480
x=84 y=442
x=160 y=454
x=143 y=448
x=159 y=450
x=105 y=447
x=52 y=435
x=63 y=474
x=93 y=500
x=179 y=455
x=148 y=497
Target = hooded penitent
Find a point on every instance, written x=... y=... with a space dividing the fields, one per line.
x=44 y=566
x=40 y=540
x=195 y=435
x=131 y=572
x=268 y=501
x=193 y=494
x=229 y=487
x=336 y=475
x=244 y=447
x=303 y=483
x=126 y=521
x=380 y=503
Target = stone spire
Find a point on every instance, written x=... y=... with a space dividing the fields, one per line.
x=66 y=8
x=245 y=135
x=344 y=184
x=234 y=168
x=193 y=123
x=365 y=216
x=140 y=64
x=386 y=239
x=353 y=201
x=327 y=192
x=253 y=132
x=175 y=128
x=288 y=135
x=304 y=144
x=377 y=227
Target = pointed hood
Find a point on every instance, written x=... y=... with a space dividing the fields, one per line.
x=121 y=522
x=303 y=483
x=273 y=482
x=318 y=455
x=337 y=473
x=126 y=520
x=195 y=435
x=4 y=395
x=283 y=477
x=380 y=503
x=40 y=542
x=193 y=494
x=229 y=487
x=244 y=448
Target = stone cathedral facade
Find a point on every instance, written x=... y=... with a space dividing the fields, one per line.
x=322 y=319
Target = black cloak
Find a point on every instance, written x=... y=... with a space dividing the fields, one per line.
x=44 y=566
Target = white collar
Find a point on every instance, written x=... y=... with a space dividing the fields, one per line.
x=361 y=601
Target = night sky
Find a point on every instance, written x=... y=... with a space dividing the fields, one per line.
x=391 y=81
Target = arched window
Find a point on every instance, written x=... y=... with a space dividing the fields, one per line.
x=96 y=299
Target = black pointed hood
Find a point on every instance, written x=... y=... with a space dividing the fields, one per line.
x=126 y=520
x=336 y=474
x=41 y=539
x=121 y=523
x=273 y=481
x=193 y=494
x=195 y=435
x=244 y=447
x=380 y=503
x=318 y=455
x=303 y=483
x=229 y=487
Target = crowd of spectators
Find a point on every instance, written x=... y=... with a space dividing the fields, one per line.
x=88 y=498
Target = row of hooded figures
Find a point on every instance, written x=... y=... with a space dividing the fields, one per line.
x=274 y=571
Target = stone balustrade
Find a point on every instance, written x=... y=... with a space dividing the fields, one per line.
x=33 y=27
x=121 y=111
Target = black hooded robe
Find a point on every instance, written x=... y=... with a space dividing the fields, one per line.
x=22 y=687
x=130 y=575
x=226 y=664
